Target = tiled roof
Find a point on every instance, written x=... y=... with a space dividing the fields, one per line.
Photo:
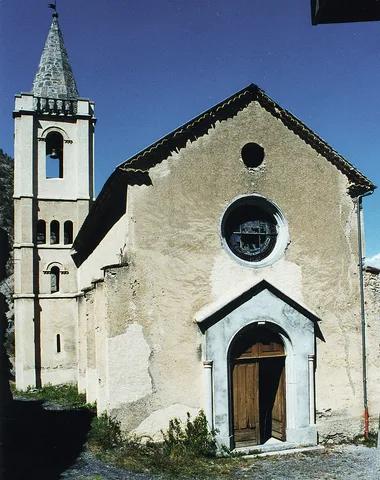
x=54 y=77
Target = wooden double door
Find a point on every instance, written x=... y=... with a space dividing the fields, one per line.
x=257 y=363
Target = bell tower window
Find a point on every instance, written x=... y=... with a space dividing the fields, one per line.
x=54 y=232
x=41 y=232
x=54 y=155
x=68 y=232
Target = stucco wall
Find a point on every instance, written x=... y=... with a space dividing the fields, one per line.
x=146 y=355
x=372 y=303
x=177 y=266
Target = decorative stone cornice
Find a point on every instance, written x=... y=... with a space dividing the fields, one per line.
x=55 y=106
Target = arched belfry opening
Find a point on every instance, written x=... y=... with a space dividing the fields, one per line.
x=41 y=232
x=54 y=155
x=54 y=232
x=257 y=385
x=68 y=232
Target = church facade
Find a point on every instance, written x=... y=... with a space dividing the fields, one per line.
x=216 y=270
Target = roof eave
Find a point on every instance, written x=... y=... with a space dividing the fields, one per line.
x=228 y=108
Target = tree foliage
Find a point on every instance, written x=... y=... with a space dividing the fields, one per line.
x=6 y=241
x=6 y=194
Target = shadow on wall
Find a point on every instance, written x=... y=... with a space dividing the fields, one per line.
x=34 y=442
x=40 y=443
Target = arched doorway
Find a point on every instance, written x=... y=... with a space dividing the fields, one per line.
x=258 y=390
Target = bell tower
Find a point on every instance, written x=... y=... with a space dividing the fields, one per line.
x=53 y=191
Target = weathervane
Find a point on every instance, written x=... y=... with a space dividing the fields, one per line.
x=54 y=7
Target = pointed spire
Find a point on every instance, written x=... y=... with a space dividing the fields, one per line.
x=54 y=77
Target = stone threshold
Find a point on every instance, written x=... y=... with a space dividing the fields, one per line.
x=276 y=447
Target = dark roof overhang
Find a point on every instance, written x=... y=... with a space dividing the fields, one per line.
x=374 y=270
x=342 y=11
x=108 y=208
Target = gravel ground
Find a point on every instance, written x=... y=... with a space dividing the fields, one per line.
x=335 y=463
x=348 y=463
x=89 y=467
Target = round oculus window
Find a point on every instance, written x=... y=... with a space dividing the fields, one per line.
x=254 y=230
x=252 y=155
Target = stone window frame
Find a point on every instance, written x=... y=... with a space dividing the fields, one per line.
x=271 y=208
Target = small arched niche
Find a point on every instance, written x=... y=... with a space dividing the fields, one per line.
x=54 y=279
x=54 y=155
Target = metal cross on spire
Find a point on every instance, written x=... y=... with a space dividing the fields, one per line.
x=54 y=7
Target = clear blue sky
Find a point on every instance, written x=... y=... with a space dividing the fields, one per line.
x=152 y=65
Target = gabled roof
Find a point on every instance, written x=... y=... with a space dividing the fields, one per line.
x=54 y=77
x=211 y=314
x=228 y=108
x=137 y=167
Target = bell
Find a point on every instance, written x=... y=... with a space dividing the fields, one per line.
x=54 y=154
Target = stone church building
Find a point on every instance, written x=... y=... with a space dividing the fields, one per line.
x=217 y=269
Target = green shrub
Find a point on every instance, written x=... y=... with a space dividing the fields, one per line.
x=188 y=450
x=66 y=394
x=105 y=432
x=192 y=438
x=371 y=441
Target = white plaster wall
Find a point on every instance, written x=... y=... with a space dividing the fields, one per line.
x=159 y=420
x=58 y=367
x=24 y=343
x=23 y=147
x=129 y=366
x=82 y=344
